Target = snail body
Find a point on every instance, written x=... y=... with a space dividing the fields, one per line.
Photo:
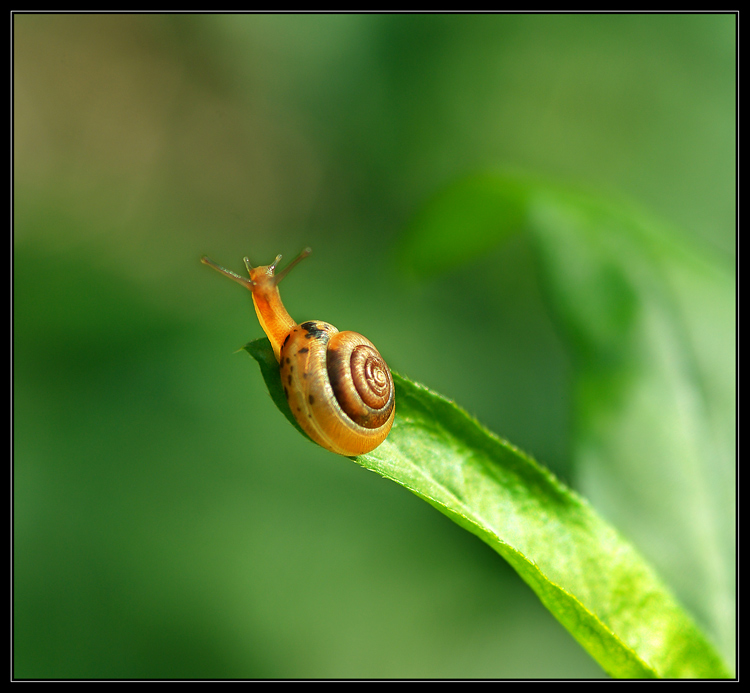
x=337 y=384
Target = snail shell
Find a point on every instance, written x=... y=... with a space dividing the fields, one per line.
x=338 y=386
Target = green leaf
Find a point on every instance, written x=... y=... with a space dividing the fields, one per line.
x=591 y=579
x=463 y=222
x=650 y=325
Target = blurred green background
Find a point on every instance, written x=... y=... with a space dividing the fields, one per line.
x=168 y=521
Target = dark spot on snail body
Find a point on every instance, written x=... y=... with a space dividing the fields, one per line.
x=286 y=393
x=311 y=399
x=313 y=330
x=286 y=339
x=303 y=350
x=290 y=379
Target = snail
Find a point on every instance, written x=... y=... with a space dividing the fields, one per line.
x=337 y=384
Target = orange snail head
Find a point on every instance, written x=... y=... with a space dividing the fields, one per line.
x=263 y=283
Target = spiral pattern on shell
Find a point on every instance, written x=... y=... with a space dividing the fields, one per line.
x=338 y=387
x=360 y=380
